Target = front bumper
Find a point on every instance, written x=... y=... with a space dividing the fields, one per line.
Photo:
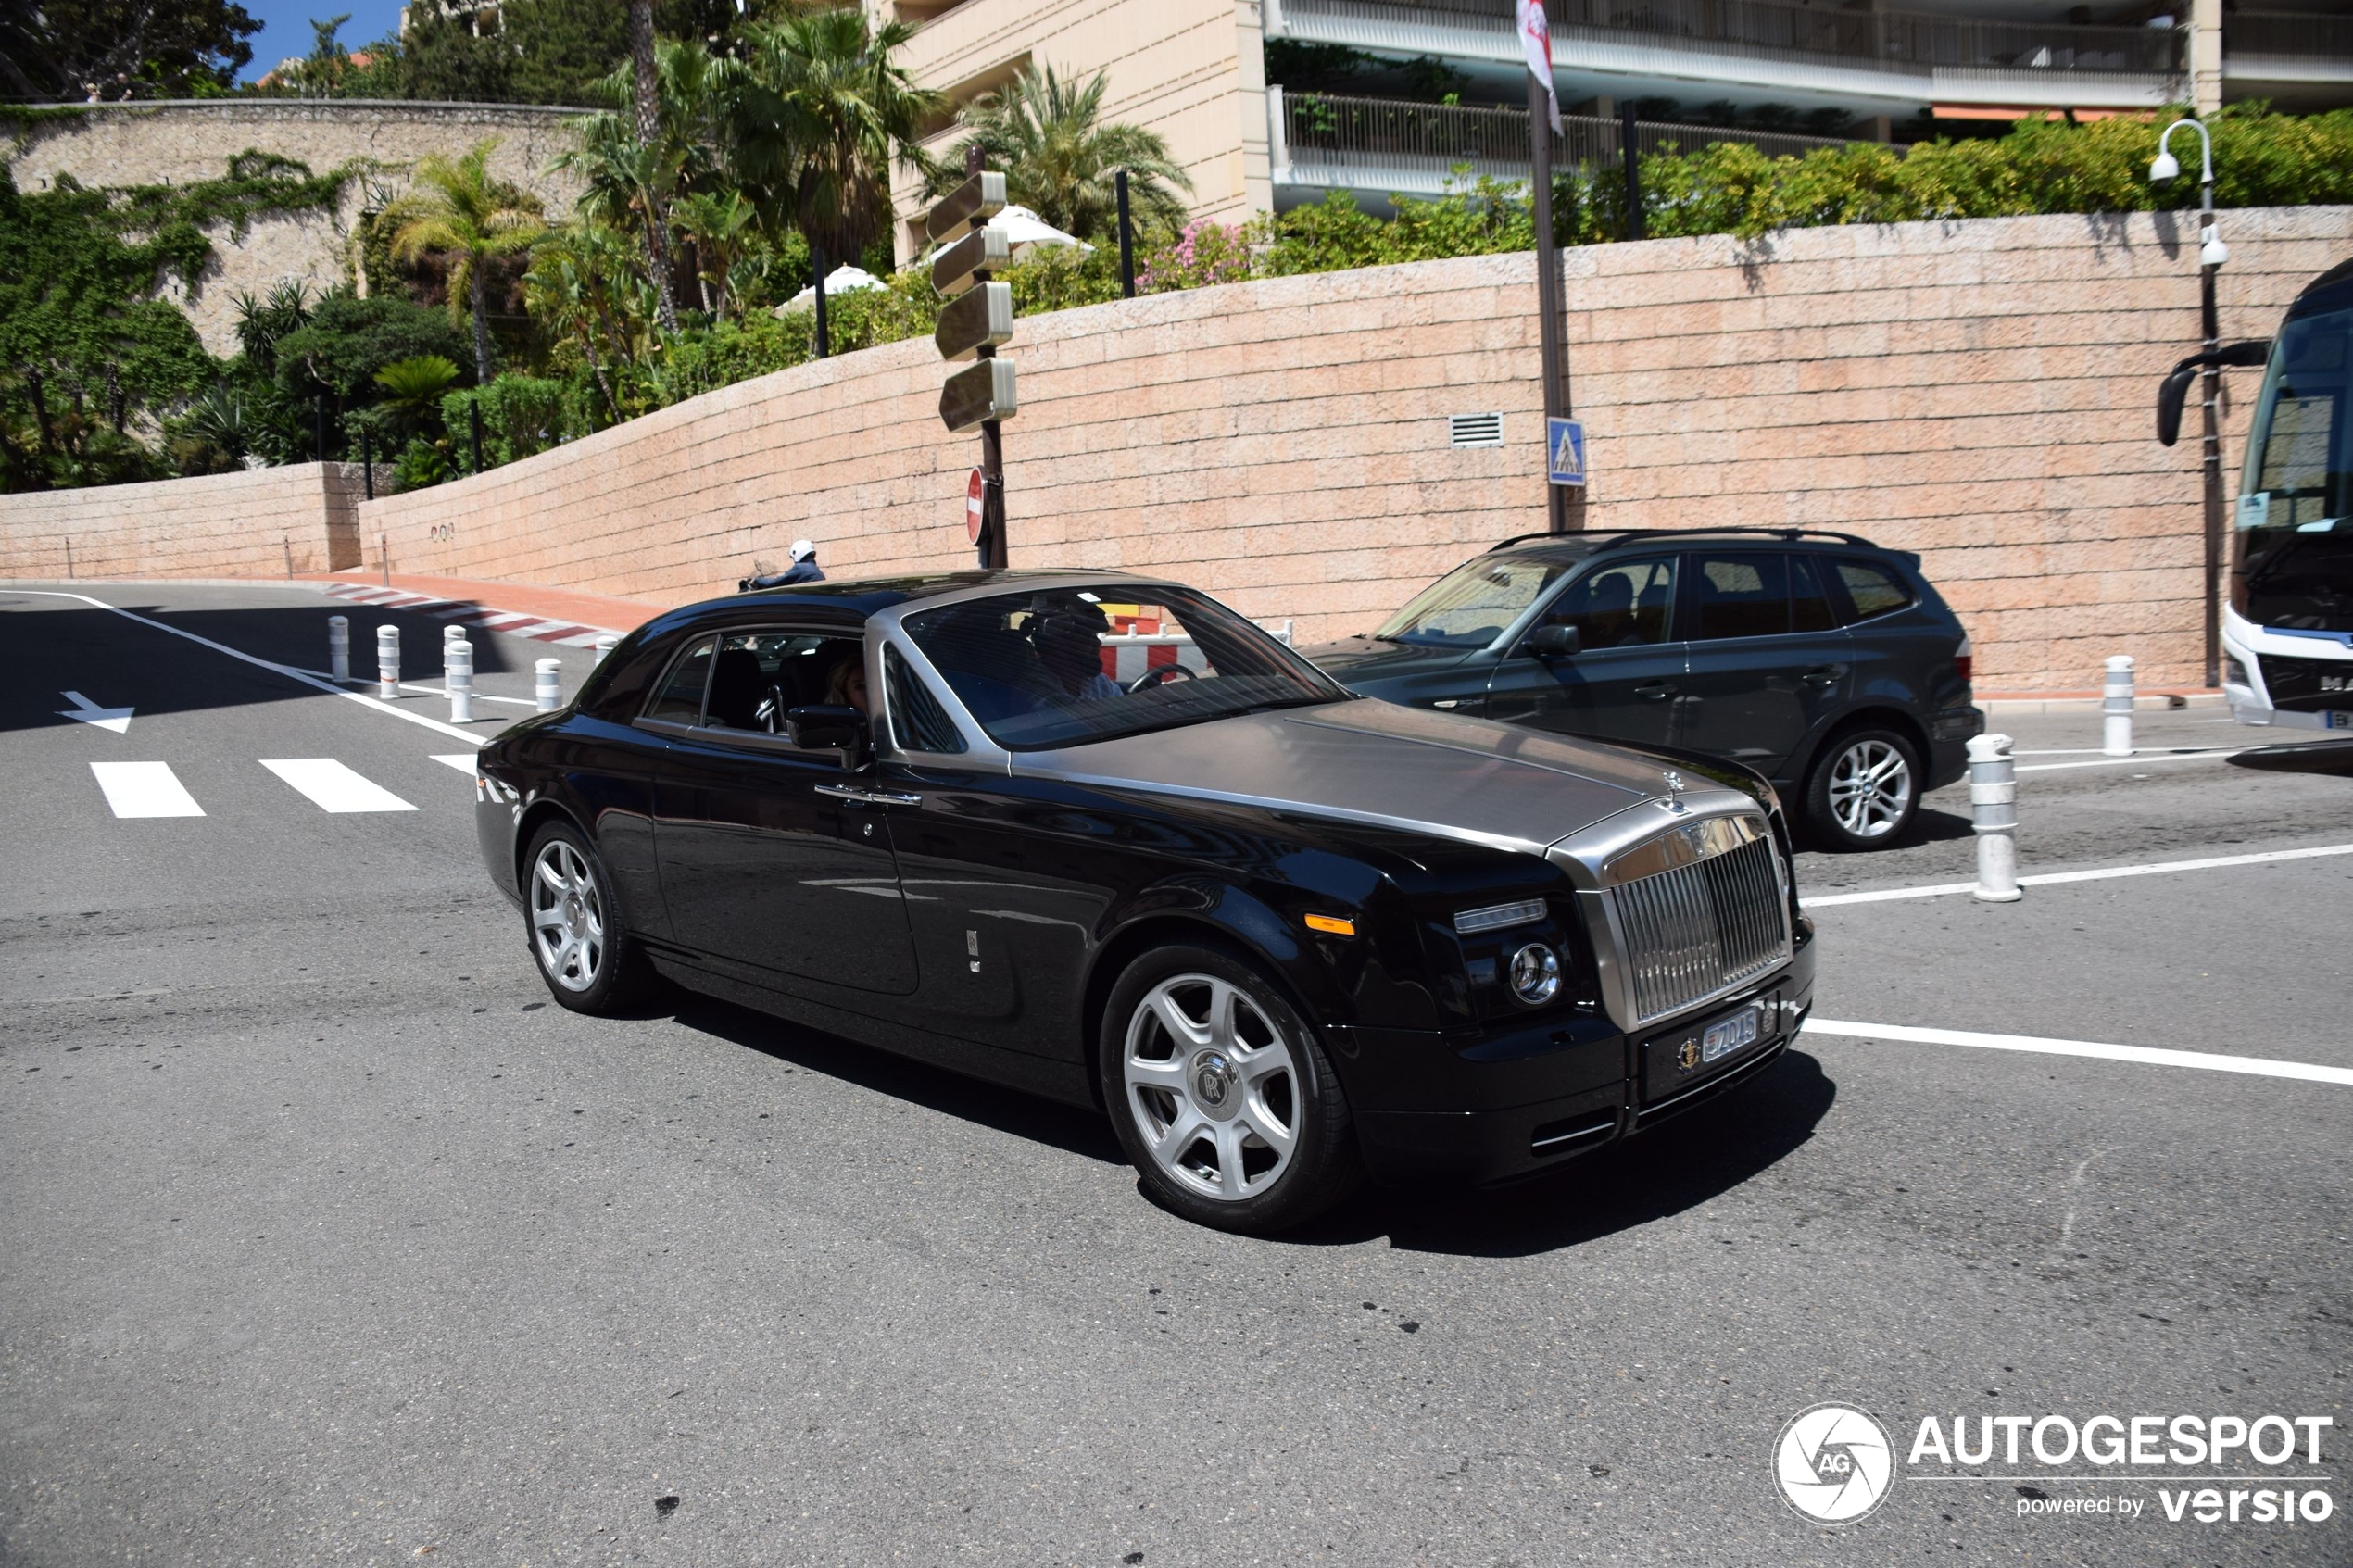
x=1496 y=1105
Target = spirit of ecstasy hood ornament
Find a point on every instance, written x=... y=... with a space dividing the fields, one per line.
x=1674 y=802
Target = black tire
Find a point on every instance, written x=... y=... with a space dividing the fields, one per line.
x=607 y=971
x=1863 y=789
x=1228 y=1175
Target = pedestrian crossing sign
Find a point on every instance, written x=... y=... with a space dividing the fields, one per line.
x=1565 y=440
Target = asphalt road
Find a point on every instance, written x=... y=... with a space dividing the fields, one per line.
x=328 y=1239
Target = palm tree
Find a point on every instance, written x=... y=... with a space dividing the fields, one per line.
x=1059 y=159
x=721 y=224
x=818 y=109
x=414 y=386
x=566 y=290
x=645 y=81
x=459 y=212
x=632 y=179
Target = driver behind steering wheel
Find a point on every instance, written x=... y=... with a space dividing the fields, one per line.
x=1069 y=644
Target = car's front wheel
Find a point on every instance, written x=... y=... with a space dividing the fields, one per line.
x=1863 y=789
x=1222 y=1094
x=584 y=952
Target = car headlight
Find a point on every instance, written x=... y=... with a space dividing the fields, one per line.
x=1536 y=974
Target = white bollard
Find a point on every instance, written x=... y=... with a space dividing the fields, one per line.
x=550 y=695
x=458 y=676
x=2116 y=707
x=387 y=662
x=339 y=647
x=604 y=647
x=1992 y=799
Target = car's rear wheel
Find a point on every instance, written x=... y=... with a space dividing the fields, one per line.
x=1222 y=1094
x=1864 y=790
x=584 y=952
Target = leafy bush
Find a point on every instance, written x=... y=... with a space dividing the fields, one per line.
x=347 y=340
x=520 y=415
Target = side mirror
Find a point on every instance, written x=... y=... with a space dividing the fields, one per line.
x=2251 y=355
x=1553 y=641
x=826 y=729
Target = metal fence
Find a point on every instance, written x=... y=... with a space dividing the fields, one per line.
x=2290 y=34
x=1906 y=41
x=1382 y=135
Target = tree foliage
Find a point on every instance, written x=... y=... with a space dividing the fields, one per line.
x=68 y=51
x=1059 y=158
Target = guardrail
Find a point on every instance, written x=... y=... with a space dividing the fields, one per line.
x=1910 y=42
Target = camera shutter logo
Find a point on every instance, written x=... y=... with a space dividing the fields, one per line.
x=1834 y=1464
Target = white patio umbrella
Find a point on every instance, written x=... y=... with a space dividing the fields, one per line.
x=844 y=279
x=1024 y=231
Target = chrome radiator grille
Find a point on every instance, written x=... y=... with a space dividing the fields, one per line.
x=1700 y=928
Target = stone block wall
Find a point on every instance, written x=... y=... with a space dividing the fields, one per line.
x=181 y=143
x=250 y=524
x=1980 y=391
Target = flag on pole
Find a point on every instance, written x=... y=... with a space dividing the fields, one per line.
x=1536 y=37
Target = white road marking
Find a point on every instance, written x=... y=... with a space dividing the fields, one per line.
x=286 y=670
x=145 y=789
x=2258 y=1066
x=461 y=760
x=2138 y=760
x=2047 y=879
x=115 y=718
x=331 y=787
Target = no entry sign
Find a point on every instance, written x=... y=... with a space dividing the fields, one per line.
x=972 y=508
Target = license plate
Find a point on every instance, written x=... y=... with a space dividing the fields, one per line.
x=1720 y=1040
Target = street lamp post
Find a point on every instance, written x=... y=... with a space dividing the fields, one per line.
x=2212 y=254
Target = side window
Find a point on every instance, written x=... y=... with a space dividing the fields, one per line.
x=1740 y=596
x=761 y=676
x=917 y=720
x=679 y=698
x=1870 y=589
x=1809 y=602
x=1623 y=604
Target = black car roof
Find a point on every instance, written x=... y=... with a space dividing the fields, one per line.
x=854 y=600
x=2332 y=290
x=1576 y=547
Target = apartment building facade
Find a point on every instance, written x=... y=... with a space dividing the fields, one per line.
x=1270 y=103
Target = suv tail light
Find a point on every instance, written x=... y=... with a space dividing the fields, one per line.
x=1964 y=661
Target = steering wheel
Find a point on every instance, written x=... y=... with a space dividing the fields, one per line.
x=1157 y=675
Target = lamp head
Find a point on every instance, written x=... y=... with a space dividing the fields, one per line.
x=2213 y=253
x=2164 y=167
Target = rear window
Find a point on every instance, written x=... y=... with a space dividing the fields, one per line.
x=1870 y=589
x=680 y=696
x=917 y=718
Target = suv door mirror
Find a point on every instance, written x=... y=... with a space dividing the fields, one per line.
x=1556 y=640
x=827 y=729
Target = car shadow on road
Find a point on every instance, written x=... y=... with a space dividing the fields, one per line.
x=1678 y=1165
x=993 y=1106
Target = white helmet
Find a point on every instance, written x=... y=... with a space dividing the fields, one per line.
x=802 y=549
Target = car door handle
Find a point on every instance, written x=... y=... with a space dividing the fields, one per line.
x=859 y=795
x=1825 y=675
x=1654 y=692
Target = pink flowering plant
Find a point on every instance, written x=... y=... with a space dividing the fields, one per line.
x=1205 y=254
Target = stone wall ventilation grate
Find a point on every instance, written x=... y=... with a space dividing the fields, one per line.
x=1474 y=430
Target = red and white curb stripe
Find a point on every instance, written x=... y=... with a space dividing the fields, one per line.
x=468 y=612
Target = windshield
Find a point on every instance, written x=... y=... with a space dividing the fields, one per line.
x=2293 y=568
x=1471 y=605
x=1069 y=666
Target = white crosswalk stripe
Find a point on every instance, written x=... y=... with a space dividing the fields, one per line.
x=461 y=760
x=145 y=789
x=331 y=787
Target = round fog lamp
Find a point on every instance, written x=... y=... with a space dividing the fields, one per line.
x=1535 y=973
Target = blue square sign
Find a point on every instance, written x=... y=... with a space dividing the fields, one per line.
x=1564 y=444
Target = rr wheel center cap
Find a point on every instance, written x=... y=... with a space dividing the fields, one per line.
x=1215 y=1084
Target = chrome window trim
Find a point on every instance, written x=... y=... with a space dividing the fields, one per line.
x=884 y=628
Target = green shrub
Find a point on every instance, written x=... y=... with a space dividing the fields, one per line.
x=520 y=415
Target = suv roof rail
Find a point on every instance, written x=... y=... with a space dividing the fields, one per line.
x=1620 y=538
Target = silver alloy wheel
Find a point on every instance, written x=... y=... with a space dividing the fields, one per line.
x=1870 y=788
x=567 y=917
x=1213 y=1087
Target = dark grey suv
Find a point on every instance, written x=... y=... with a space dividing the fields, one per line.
x=1820 y=660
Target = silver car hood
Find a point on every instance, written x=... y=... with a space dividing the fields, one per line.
x=1377 y=762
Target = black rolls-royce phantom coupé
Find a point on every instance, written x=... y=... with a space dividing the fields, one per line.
x=1101 y=838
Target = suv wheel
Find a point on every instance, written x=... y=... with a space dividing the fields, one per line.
x=1221 y=1094
x=1863 y=789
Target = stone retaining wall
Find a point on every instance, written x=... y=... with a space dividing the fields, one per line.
x=266 y=522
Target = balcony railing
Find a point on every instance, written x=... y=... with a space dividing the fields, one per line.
x=1909 y=41
x=2287 y=34
x=1325 y=138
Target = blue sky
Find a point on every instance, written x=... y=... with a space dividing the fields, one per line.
x=286 y=26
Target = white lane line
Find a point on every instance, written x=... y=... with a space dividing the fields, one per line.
x=2258 y=1066
x=2138 y=761
x=2047 y=879
x=145 y=789
x=2145 y=753
x=331 y=787
x=461 y=760
x=286 y=670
